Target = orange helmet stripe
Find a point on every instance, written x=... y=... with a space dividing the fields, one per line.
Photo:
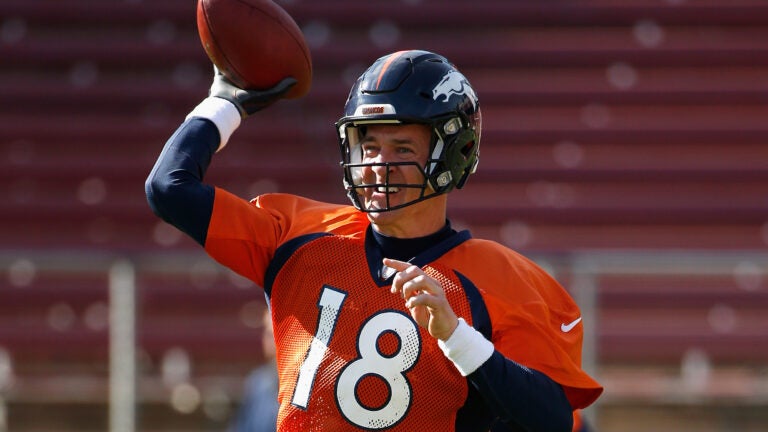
x=392 y=57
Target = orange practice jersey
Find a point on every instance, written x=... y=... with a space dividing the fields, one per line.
x=349 y=355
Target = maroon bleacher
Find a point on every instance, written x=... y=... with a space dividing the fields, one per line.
x=691 y=117
x=607 y=125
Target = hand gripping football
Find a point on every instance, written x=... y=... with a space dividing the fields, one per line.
x=255 y=44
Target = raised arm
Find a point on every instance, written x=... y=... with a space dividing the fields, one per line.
x=175 y=189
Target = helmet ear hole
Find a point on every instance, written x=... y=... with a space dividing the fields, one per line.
x=467 y=149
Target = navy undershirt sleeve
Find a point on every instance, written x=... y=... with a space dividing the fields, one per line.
x=524 y=399
x=174 y=188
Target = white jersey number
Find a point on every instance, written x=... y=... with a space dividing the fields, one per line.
x=390 y=368
x=330 y=306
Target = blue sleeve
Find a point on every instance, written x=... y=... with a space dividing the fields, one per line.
x=522 y=398
x=174 y=188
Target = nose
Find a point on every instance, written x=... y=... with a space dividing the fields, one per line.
x=382 y=169
x=381 y=161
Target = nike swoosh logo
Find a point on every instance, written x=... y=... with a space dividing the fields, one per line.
x=568 y=327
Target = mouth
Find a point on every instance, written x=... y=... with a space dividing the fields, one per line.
x=381 y=197
x=387 y=190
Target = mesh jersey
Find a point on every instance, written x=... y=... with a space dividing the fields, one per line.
x=349 y=356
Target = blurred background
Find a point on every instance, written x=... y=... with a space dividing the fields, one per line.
x=624 y=148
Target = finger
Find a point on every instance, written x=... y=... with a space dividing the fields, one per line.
x=423 y=299
x=396 y=264
x=405 y=272
x=402 y=278
x=282 y=87
x=416 y=285
x=415 y=301
x=410 y=281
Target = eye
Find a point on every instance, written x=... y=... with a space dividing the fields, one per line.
x=370 y=149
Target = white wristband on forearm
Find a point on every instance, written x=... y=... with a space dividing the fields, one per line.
x=222 y=113
x=467 y=348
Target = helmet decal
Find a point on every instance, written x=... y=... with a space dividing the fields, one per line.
x=453 y=83
x=373 y=110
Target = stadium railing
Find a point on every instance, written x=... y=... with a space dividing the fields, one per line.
x=661 y=326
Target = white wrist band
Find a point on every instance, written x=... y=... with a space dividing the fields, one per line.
x=222 y=113
x=467 y=348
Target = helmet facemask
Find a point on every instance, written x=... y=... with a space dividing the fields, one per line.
x=447 y=166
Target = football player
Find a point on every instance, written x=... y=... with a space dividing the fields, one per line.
x=384 y=316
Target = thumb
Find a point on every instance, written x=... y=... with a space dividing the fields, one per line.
x=281 y=88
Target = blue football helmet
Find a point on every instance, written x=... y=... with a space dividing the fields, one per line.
x=408 y=87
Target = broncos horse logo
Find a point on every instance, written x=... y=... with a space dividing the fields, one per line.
x=451 y=84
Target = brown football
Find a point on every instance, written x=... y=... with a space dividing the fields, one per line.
x=255 y=44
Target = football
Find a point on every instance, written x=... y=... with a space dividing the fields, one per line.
x=255 y=44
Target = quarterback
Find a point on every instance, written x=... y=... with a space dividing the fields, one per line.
x=385 y=318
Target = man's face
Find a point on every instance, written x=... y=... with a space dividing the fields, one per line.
x=393 y=144
x=409 y=145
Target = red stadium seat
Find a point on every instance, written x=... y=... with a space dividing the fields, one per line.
x=608 y=126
